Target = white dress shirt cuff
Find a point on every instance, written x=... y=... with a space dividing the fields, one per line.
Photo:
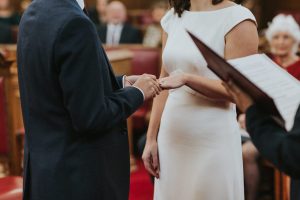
x=123 y=81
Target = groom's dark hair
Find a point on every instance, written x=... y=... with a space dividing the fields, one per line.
x=181 y=5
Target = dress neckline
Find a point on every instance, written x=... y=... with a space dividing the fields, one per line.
x=211 y=11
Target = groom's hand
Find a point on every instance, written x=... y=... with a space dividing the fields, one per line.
x=149 y=85
x=130 y=80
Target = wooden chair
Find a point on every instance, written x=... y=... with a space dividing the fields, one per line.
x=4 y=143
x=286 y=187
x=5 y=149
x=8 y=70
x=282 y=186
x=20 y=139
x=281 y=183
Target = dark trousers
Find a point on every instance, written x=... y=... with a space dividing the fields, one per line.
x=295 y=189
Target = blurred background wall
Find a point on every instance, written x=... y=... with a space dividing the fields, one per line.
x=270 y=7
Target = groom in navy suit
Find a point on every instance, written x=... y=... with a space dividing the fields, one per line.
x=74 y=108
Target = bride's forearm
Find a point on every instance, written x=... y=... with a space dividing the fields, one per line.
x=208 y=87
x=157 y=110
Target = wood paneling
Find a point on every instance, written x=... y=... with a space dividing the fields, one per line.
x=293 y=5
x=14 y=113
x=131 y=4
x=269 y=9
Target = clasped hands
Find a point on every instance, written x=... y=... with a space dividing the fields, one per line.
x=151 y=86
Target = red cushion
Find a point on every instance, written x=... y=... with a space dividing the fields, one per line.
x=140 y=113
x=146 y=60
x=11 y=188
x=3 y=121
x=139 y=118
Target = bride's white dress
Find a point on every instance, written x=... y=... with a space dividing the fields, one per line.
x=199 y=141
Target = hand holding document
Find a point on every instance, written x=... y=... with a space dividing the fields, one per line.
x=274 y=81
x=271 y=87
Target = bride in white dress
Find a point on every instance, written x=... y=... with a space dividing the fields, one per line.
x=193 y=144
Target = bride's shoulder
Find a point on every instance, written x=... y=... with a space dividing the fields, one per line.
x=241 y=11
x=168 y=19
x=237 y=15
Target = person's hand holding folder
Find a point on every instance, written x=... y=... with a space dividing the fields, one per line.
x=240 y=97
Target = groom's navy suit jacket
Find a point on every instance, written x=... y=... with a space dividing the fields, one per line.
x=74 y=108
x=276 y=144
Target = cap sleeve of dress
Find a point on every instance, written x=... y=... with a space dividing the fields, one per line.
x=238 y=15
x=166 y=21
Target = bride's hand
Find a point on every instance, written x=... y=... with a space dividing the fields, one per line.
x=150 y=158
x=173 y=81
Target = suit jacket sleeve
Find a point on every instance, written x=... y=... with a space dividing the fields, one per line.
x=78 y=56
x=274 y=142
x=101 y=30
x=120 y=81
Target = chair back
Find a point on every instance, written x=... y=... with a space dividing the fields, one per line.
x=146 y=60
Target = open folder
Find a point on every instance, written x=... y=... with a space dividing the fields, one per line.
x=273 y=89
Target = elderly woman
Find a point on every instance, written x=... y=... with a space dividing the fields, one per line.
x=283 y=35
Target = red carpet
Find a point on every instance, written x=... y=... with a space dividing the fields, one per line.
x=141 y=187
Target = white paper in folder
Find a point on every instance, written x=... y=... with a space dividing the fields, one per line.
x=274 y=81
